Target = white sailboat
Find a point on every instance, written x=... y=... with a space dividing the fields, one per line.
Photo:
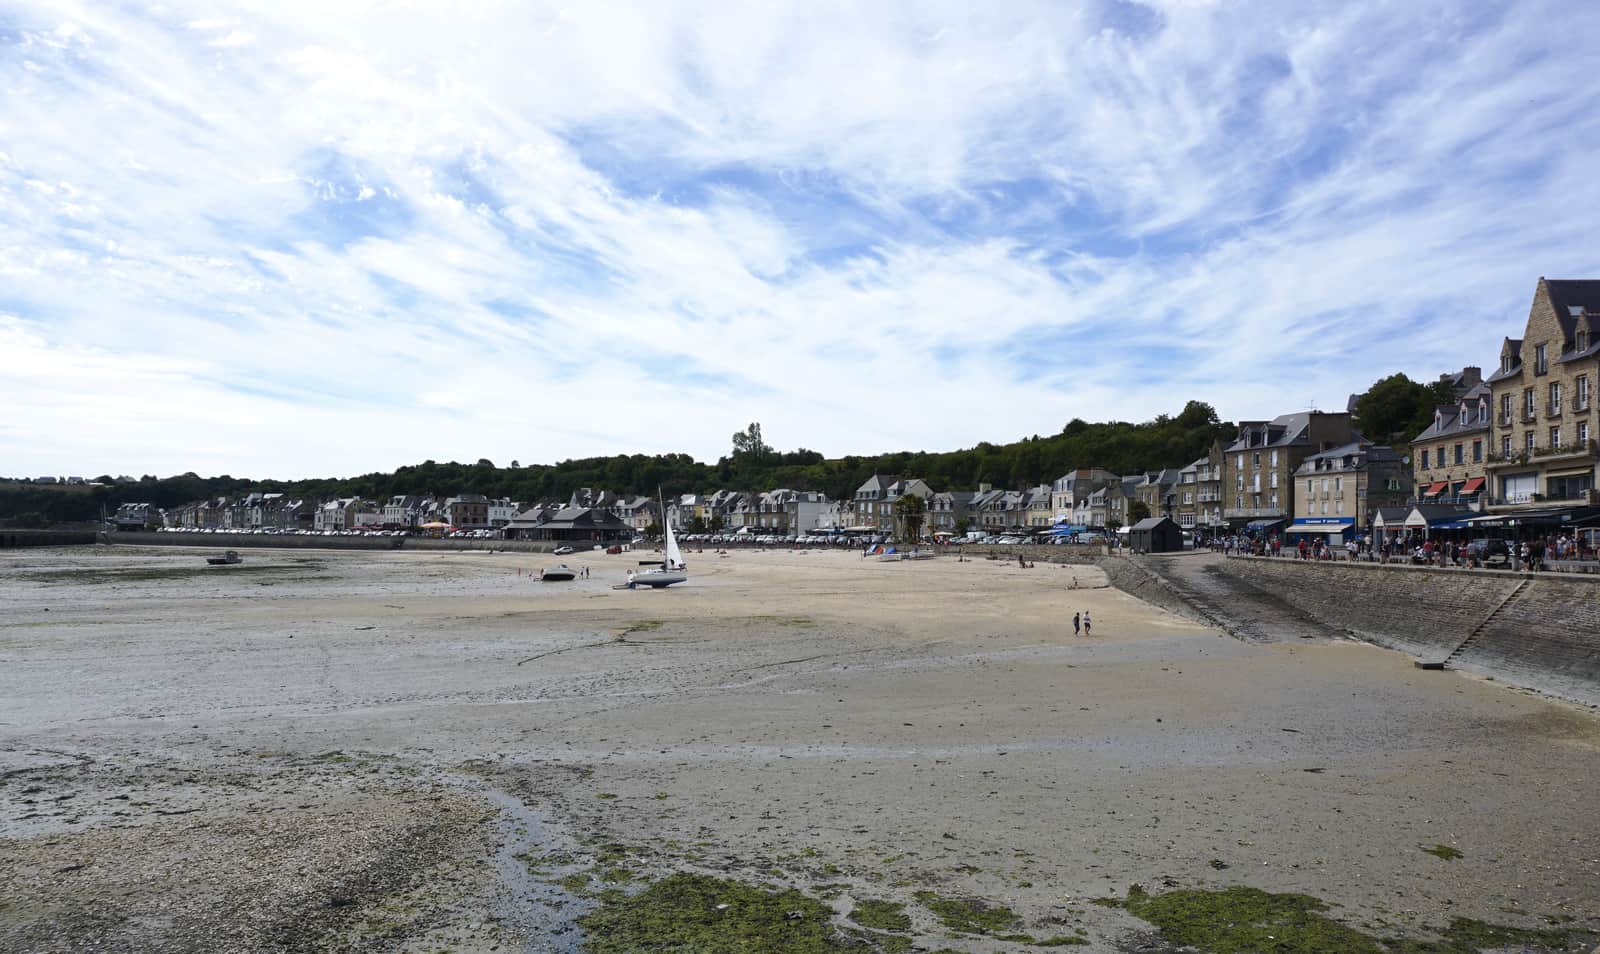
x=673 y=569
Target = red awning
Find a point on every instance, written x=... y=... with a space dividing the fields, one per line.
x=1472 y=486
x=1437 y=489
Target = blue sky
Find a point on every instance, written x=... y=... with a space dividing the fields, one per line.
x=289 y=239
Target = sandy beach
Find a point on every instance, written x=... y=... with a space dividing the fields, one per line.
x=435 y=751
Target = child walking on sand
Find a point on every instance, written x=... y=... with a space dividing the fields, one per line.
x=1076 y=624
x=1086 y=623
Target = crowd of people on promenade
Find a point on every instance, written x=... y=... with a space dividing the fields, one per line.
x=1422 y=550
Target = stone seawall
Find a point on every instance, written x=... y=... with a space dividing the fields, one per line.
x=1138 y=578
x=1036 y=553
x=45 y=538
x=288 y=541
x=1536 y=631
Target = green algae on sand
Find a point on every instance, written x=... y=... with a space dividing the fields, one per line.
x=1242 y=920
x=970 y=915
x=882 y=915
x=692 y=912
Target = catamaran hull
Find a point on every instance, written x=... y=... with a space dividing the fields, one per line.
x=658 y=580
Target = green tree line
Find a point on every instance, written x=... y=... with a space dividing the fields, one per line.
x=1122 y=447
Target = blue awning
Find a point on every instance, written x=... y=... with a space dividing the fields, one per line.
x=1262 y=524
x=1320 y=527
x=1451 y=525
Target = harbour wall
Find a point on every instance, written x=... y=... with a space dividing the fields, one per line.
x=45 y=538
x=1035 y=553
x=290 y=541
x=1537 y=631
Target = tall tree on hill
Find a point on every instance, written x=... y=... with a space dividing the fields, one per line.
x=748 y=445
x=1396 y=409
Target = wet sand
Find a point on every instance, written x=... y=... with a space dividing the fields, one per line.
x=322 y=750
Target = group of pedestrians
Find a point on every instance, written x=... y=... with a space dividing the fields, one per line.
x=1081 y=624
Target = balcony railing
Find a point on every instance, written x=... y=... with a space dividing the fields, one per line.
x=1253 y=511
x=1458 y=500
x=1589 y=497
x=1580 y=405
x=1553 y=409
x=1505 y=420
x=1575 y=449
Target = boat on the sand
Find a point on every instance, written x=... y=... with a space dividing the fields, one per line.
x=673 y=569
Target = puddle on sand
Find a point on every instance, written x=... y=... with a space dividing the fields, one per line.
x=543 y=914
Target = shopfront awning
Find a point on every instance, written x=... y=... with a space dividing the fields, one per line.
x=1436 y=489
x=1556 y=516
x=1319 y=527
x=1435 y=516
x=1262 y=524
x=1472 y=486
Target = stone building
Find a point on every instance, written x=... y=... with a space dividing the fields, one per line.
x=873 y=504
x=1337 y=490
x=951 y=512
x=1186 y=494
x=1069 y=494
x=1450 y=458
x=1259 y=466
x=1158 y=491
x=468 y=511
x=1543 y=455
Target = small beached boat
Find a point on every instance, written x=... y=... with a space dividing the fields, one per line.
x=228 y=558
x=560 y=573
x=673 y=569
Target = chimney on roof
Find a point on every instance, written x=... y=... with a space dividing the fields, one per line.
x=985 y=488
x=1471 y=376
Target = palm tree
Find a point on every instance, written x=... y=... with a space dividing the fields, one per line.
x=910 y=511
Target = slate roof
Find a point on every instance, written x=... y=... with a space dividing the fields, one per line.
x=1567 y=294
x=1364 y=451
x=1282 y=431
x=1449 y=421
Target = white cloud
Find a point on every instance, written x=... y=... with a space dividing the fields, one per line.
x=379 y=235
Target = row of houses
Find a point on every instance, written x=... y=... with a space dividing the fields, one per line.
x=624 y=516
x=1514 y=449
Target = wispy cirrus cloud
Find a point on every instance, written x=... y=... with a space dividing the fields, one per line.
x=281 y=239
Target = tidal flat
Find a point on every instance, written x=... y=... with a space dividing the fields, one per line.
x=806 y=751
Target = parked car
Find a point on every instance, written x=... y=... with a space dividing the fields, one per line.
x=563 y=551
x=1490 y=552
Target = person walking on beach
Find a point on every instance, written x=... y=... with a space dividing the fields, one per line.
x=1086 y=623
x=1077 y=624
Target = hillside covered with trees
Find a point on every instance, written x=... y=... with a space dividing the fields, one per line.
x=751 y=464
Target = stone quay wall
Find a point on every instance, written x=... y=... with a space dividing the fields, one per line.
x=45 y=538
x=1136 y=577
x=1537 y=631
x=290 y=541
x=1031 y=552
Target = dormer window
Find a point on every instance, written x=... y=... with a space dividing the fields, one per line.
x=1541 y=363
x=1505 y=363
x=1583 y=341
